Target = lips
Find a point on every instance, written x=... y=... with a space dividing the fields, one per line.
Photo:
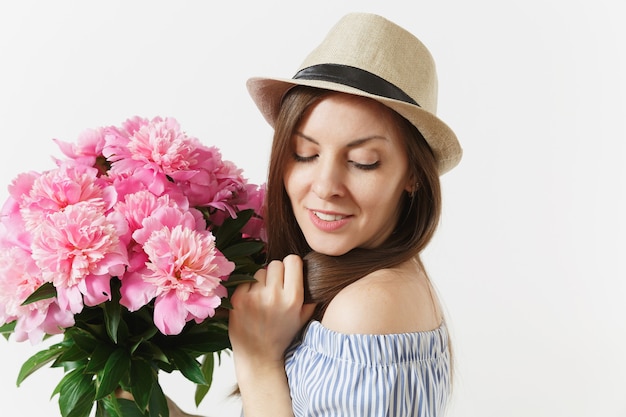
x=328 y=222
x=328 y=217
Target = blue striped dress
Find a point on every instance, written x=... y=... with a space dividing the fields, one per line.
x=334 y=374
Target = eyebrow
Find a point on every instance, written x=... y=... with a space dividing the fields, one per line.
x=351 y=144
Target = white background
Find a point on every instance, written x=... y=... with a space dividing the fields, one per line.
x=529 y=259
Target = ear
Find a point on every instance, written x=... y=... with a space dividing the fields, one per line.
x=411 y=185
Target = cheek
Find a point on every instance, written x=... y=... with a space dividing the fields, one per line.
x=382 y=197
x=293 y=181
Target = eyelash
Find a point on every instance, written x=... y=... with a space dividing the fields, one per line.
x=299 y=158
x=364 y=167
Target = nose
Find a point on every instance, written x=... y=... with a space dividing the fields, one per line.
x=328 y=180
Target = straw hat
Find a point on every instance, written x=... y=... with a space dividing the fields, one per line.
x=367 y=55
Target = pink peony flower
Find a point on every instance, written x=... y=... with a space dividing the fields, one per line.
x=137 y=206
x=133 y=124
x=154 y=152
x=12 y=220
x=19 y=278
x=255 y=228
x=57 y=189
x=187 y=270
x=43 y=317
x=168 y=217
x=14 y=232
x=20 y=187
x=87 y=150
x=157 y=153
x=74 y=247
x=137 y=292
x=216 y=183
x=126 y=184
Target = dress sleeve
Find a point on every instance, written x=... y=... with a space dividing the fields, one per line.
x=334 y=374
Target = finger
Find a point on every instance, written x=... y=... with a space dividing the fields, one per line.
x=260 y=277
x=294 y=276
x=241 y=291
x=275 y=274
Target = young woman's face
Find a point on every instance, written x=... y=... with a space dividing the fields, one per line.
x=348 y=173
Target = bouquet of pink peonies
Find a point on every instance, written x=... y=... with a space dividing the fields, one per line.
x=130 y=248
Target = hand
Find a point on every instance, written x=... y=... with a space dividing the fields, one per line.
x=268 y=314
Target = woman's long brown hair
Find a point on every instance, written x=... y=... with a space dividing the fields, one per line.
x=326 y=275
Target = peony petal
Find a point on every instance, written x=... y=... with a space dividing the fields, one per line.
x=200 y=307
x=70 y=298
x=169 y=314
x=96 y=289
x=136 y=292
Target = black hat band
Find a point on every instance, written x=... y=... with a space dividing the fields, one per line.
x=356 y=78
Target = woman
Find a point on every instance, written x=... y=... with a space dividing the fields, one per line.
x=344 y=320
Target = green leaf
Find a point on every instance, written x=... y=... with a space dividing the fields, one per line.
x=141 y=338
x=208 y=366
x=89 y=314
x=108 y=407
x=166 y=366
x=243 y=249
x=83 y=339
x=152 y=351
x=114 y=370
x=209 y=339
x=111 y=406
x=44 y=292
x=84 y=404
x=130 y=409
x=236 y=279
x=158 y=403
x=226 y=304
x=40 y=359
x=7 y=329
x=112 y=318
x=99 y=358
x=248 y=265
x=142 y=380
x=72 y=354
x=97 y=330
x=115 y=326
x=231 y=228
x=214 y=344
x=188 y=366
x=76 y=394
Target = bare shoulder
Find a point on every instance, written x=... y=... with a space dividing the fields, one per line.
x=396 y=300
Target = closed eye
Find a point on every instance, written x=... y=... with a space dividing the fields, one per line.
x=358 y=165
x=300 y=158
x=365 y=167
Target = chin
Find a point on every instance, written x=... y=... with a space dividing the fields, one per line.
x=329 y=250
x=331 y=253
